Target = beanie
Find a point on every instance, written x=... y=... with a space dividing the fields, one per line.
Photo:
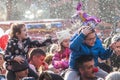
x=64 y=34
x=113 y=76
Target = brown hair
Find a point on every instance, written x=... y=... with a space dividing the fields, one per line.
x=16 y=28
x=48 y=59
x=61 y=48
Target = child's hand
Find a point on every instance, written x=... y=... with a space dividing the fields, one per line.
x=86 y=30
x=19 y=59
x=44 y=66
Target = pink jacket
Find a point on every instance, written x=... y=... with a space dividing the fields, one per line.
x=60 y=60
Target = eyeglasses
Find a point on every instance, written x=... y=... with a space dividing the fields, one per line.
x=90 y=39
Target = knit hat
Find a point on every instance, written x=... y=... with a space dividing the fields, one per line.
x=113 y=76
x=16 y=67
x=64 y=34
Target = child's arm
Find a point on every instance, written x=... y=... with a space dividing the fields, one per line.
x=36 y=43
x=8 y=56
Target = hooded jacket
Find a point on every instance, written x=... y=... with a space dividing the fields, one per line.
x=78 y=48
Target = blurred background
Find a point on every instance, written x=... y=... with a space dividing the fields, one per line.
x=57 y=13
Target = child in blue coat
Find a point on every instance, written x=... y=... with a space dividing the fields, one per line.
x=86 y=42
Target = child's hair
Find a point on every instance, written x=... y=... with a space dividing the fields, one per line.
x=48 y=59
x=61 y=48
x=54 y=47
x=16 y=28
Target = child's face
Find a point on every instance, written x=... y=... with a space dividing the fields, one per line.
x=23 y=34
x=66 y=42
x=90 y=39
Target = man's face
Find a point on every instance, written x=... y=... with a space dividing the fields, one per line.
x=87 y=70
x=90 y=39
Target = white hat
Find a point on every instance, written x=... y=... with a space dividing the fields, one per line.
x=64 y=34
x=113 y=76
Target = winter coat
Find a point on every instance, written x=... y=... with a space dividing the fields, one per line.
x=60 y=60
x=78 y=48
x=16 y=48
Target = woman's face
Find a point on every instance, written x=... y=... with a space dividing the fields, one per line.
x=90 y=39
x=66 y=42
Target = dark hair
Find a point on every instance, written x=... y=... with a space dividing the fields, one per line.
x=36 y=52
x=50 y=76
x=17 y=67
x=16 y=28
x=82 y=59
x=61 y=48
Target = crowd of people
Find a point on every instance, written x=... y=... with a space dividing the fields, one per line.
x=78 y=56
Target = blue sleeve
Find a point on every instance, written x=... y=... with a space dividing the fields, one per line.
x=77 y=41
x=103 y=53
